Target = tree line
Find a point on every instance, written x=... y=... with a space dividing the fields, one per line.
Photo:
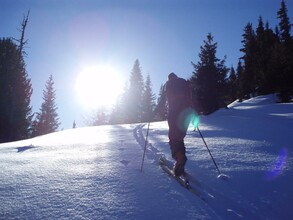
x=265 y=67
x=267 y=64
x=17 y=121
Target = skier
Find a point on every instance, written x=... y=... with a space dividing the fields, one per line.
x=178 y=95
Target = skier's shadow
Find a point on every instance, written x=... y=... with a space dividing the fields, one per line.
x=24 y=148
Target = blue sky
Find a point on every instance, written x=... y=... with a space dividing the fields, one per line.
x=165 y=35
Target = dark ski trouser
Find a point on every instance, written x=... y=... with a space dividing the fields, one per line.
x=178 y=121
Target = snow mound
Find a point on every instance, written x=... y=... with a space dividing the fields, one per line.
x=259 y=100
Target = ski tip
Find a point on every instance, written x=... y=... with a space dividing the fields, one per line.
x=223 y=177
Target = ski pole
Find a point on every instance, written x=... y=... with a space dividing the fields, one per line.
x=209 y=150
x=145 y=144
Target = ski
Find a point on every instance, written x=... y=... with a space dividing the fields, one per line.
x=183 y=180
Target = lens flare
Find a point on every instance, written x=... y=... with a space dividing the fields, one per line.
x=188 y=116
x=195 y=120
x=278 y=166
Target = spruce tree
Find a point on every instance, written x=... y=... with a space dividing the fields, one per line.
x=47 y=120
x=261 y=58
x=162 y=106
x=284 y=24
x=209 y=78
x=285 y=76
x=134 y=95
x=265 y=78
x=271 y=72
x=115 y=116
x=148 y=101
x=15 y=93
x=232 y=85
x=96 y=117
x=240 y=85
x=248 y=79
x=15 y=89
x=119 y=111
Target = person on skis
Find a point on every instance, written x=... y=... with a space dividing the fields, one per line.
x=180 y=112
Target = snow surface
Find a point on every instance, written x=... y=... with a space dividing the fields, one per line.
x=95 y=172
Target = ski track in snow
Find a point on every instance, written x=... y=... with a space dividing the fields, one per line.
x=218 y=203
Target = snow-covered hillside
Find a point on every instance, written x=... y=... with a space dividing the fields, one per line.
x=95 y=172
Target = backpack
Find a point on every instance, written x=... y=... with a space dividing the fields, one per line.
x=178 y=93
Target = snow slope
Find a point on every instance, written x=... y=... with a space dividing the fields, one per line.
x=95 y=172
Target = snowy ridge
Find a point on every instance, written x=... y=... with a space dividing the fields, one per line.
x=259 y=100
x=94 y=172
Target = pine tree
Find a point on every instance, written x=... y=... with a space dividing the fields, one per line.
x=15 y=90
x=96 y=117
x=265 y=43
x=271 y=72
x=232 y=85
x=148 y=101
x=248 y=79
x=22 y=42
x=115 y=115
x=47 y=120
x=162 y=106
x=239 y=73
x=134 y=95
x=119 y=111
x=261 y=59
x=284 y=24
x=15 y=93
x=285 y=76
x=209 y=78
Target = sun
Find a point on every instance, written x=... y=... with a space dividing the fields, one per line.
x=98 y=86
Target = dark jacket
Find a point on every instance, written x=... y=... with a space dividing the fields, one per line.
x=178 y=94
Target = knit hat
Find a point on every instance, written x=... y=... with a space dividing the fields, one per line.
x=172 y=75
